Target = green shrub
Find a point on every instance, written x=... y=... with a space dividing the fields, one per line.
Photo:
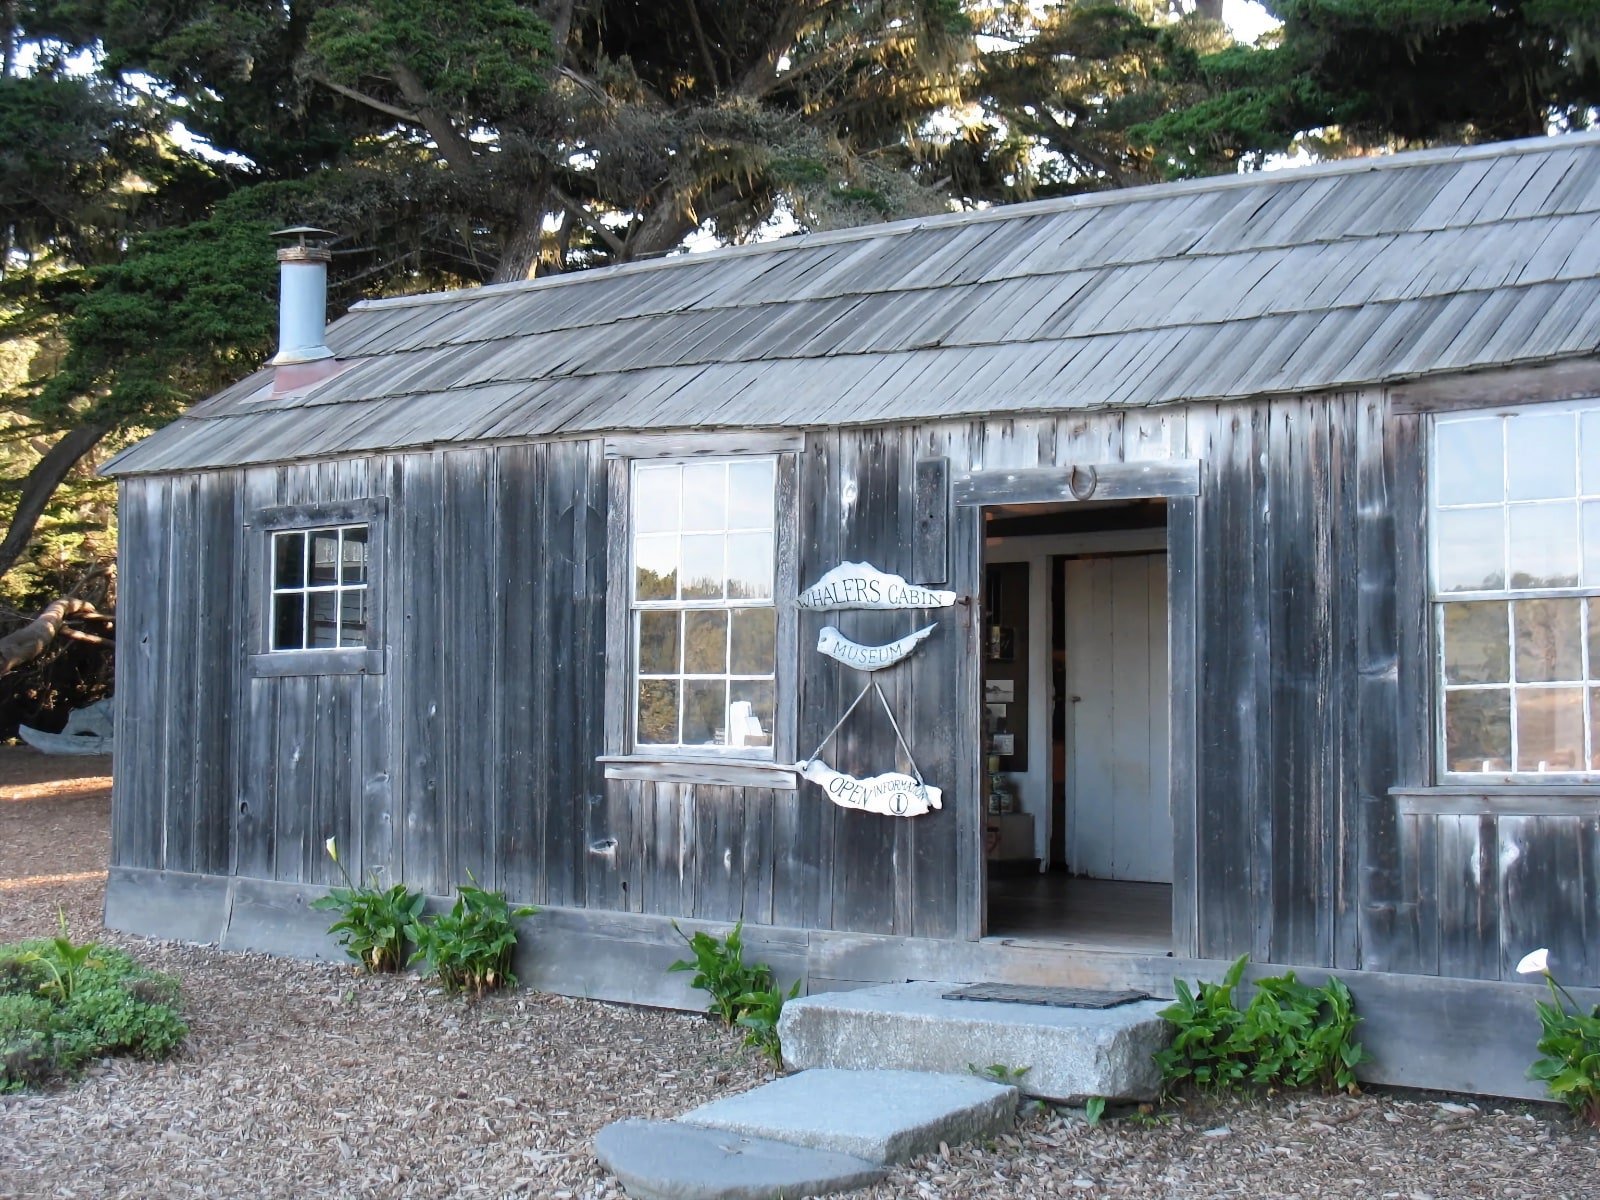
x=373 y=921
x=758 y=1017
x=742 y=994
x=1569 y=1047
x=64 y=1004
x=1291 y=1035
x=721 y=972
x=469 y=948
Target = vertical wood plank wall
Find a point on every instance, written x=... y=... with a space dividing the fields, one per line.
x=475 y=750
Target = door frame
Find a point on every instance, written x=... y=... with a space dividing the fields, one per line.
x=1176 y=481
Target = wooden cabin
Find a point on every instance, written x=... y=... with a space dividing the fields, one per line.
x=1269 y=510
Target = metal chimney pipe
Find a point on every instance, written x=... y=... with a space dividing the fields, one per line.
x=302 y=297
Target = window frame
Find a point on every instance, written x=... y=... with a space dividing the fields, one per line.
x=263 y=660
x=1437 y=601
x=767 y=766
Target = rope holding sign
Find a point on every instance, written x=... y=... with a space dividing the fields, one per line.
x=872 y=686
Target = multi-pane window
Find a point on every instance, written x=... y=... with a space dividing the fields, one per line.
x=319 y=588
x=704 y=622
x=1515 y=521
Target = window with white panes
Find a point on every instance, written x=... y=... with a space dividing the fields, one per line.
x=1515 y=555
x=704 y=622
x=319 y=588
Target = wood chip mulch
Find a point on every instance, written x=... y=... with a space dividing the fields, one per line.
x=304 y=1081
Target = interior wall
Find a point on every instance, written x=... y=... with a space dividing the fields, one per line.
x=1032 y=787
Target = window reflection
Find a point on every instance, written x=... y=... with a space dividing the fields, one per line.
x=1514 y=521
x=705 y=625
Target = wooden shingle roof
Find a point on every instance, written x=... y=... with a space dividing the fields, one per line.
x=1299 y=280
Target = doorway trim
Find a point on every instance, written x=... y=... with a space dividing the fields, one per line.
x=1177 y=481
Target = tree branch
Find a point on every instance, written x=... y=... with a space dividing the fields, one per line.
x=34 y=638
x=79 y=635
x=598 y=227
x=383 y=106
x=41 y=483
x=705 y=46
x=458 y=152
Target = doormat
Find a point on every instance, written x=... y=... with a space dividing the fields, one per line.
x=1053 y=997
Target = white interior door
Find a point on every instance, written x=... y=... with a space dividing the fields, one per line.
x=1119 y=824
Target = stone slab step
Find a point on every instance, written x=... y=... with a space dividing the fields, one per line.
x=669 y=1160
x=879 y=1116
x=1070 y=1053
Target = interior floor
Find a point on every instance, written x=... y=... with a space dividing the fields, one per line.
x=1093 y=914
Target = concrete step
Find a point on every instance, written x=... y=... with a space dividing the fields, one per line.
x=1070 y=1053
x=880 y=1116
x=810 y=1134
x=668 y=1160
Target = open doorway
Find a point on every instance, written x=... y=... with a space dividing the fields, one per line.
x=1078 y=830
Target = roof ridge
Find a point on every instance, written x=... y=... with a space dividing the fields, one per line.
x=1022 y=210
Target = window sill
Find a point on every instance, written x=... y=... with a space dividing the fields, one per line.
x=316 y=662
x=1555 y=798
x=718 y=770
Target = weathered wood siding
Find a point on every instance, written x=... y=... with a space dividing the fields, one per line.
x=474 y=751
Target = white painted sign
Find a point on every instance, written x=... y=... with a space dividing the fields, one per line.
x=862 y=585
x=893 y=795
x=867 y=658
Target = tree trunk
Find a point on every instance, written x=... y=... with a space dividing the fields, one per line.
x=519 y=256
x=1211 y=10
x=41 y=484
x=661 y=227
x=34 y=638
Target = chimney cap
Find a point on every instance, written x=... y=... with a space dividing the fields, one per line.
x=302 y=232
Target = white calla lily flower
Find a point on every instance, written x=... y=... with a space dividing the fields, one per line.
x=1537 y=963
x=332 y=849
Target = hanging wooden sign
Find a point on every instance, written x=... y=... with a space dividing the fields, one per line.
x=862 y=586
x=867 y=658
x=893 y=795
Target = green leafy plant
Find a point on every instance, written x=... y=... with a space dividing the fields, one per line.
x=1000 y=1073
x=1291 y=1035
x=721 y=972
x=1569 y=1047
x=468 y=949
x=62 y=961
x=742 y=994
x=64 y=1004
x=759 y=1015
x=1093 y=1109
x=373 y=921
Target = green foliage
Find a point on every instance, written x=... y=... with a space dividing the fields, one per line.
x=61 y=964
x=721 y=972
x=742 y=994
x=1093 y=1109
x=1377 y=73
x=1291 y=1035
x=63 y=1004
x=758 y=1017
x=484 y=61
x=1569 y=1049
x=1000 y=1073
x=469 y=948
x=373 y=922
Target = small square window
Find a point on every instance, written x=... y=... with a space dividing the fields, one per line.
x=319 y=588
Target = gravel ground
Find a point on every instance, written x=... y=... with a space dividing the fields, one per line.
x=305 y=1081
